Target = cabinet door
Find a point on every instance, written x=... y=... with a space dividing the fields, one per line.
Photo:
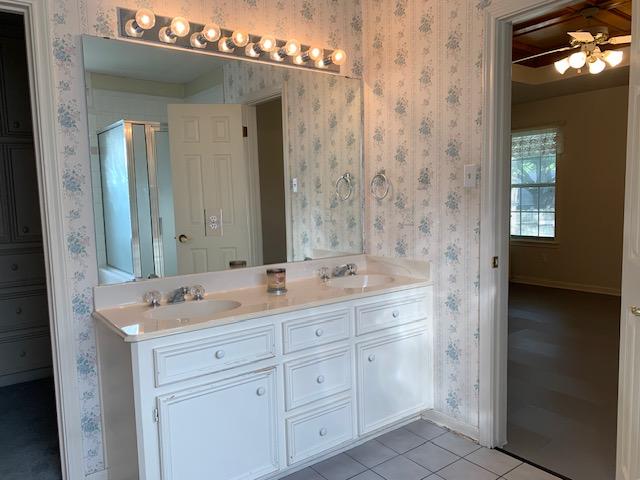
x=222 y=430
x=393 y=379
x=17 y=107
x=26 y=204
x=5 y=221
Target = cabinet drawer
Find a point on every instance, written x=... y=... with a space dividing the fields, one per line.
x=316 y=330
x=390 y=313
x=313 y=378
x=27 y=352
x=187 y=360
x=319 y=431
x=25 y=311
x=21 y=269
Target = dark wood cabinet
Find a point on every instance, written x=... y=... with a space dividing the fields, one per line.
x=16 y=107
x=25 y=205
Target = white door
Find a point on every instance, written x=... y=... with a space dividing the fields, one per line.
x=388 y=373
x=210 y=186
x=224 y=430
x=628 y=449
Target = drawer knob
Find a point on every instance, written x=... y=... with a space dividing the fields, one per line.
x=319 y=332
x=25 y=229
x=23 y=354
x=14 y=267
x=372 y=357
x=261 y=391
x=18 y=310
x=323 y=432
x=320 y=379
x=395 y=314
x=220 y=354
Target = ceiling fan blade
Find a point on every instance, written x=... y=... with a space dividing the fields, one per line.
x=582 y=36
x=537 y=55
x=620 y=40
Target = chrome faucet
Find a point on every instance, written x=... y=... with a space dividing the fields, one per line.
x=177 y=296
x=347 y=269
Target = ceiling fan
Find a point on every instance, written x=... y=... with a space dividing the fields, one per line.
x=587 y=45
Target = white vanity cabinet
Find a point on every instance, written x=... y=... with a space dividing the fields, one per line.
x=258 y=398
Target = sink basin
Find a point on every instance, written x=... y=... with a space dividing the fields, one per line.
x=361 y=282
x=193 y=309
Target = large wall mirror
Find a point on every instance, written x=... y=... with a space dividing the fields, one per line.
x=202 y=163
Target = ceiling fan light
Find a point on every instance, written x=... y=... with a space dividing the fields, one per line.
x=562 y=65
x=596 y=66
x=613 y=57
x=578 y=59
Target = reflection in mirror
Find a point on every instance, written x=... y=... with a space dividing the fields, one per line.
x=201 y=163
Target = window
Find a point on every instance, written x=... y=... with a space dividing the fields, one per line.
x=533 y=184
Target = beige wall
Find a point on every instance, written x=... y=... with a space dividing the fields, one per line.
x=590 y=192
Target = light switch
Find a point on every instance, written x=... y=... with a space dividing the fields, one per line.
x=471 y=175
x=294 y=185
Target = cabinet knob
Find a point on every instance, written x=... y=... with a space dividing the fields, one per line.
x=23 y=354
x=261 y=391
x=25 y=229
x=16 y=124
x=320 y=379
x=319 y=332
x=372 y=357
x=395 y=314
x=323 y=432
x=18 y=310
x=220 y=354
x=14 y=267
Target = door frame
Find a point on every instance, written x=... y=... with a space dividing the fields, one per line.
x=494 y=208
x=42 y=90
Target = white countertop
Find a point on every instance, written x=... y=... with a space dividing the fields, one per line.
x=132 y=322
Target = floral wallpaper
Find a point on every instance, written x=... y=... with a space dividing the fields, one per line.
x=423 y=111
x=327 y=22
x=324 y=121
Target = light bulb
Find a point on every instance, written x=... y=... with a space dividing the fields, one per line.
x=596 y=66
x=562 y=65
x=578 y=59
x=292 y=48
x=314 y=53
x=240 y=38
x=613 y=57
x=320 y=64
x=211 y=32
x=298 y=60
x=225 y=44
x=275 y=55
x=180 y=26
x=144 y=20
x=267 y=44
x=250 y=50
x=338 y=57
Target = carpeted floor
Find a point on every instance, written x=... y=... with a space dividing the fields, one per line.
x=563 y=380
x=29 y=432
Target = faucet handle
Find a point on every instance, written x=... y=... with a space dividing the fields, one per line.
x=324 y=273
x=197 y=291
x=152 y=298
x=352 y=269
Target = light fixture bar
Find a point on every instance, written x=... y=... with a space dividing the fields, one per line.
x=211 y=39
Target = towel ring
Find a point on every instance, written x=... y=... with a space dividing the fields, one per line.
x=347 y=179
x=380 y=180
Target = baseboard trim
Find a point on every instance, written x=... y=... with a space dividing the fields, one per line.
x=579 y=287
x=101 y=475
x=444 y=420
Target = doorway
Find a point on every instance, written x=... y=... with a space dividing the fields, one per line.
x=28 y=419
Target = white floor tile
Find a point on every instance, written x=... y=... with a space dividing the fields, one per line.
x=464 y=470
x=401 y=440
x=456 y=443
x=339 y=467
x=494 y=461
x=528 y=472
x=304 y=474
x=431 y=456
x=425 y=429
x=400 y=468
x=371 y=453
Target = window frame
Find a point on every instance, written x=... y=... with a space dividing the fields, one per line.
x=524 y=240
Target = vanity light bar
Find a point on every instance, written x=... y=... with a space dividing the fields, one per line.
x=143 y=25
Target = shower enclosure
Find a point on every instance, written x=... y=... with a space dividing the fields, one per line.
x=136 y=212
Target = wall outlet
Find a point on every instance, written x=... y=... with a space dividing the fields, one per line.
x=471 y=175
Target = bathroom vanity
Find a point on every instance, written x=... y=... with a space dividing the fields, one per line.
x=245 y=385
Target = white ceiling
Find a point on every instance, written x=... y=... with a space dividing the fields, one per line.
x=145 y=62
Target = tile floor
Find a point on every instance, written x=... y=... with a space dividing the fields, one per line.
x=420 y=450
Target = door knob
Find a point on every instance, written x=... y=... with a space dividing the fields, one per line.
x=182 y=238
x=635 y=310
